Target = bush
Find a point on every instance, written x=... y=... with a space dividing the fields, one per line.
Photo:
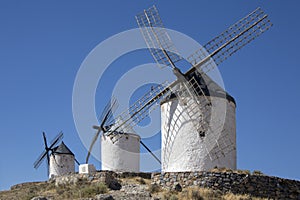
x=154 y=188
x=196 y=195
x=102 y=188
x=141 y=181
x=257 y=172
x=170 y=195
x=230 y=196
x=92 y=190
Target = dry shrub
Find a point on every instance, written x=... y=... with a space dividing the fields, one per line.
x=94 y=189
x=194 y=193
x=154 y=188
x=221 y=170
x=257 y=172
x=230 y=196
x=169 y=195
x=239 y=171
x=141 y=181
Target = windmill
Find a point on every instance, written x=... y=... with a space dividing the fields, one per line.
x=60 y=159
x=197 y=107
x=120 y=155
x=106 y=123
x=48 y=150
x=189 y=85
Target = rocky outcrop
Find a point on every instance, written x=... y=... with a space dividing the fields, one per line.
x=107 y=177
x=237 y=183
x=127 y=185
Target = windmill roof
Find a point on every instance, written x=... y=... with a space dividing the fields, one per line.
x=208 y=86
x=62 y=149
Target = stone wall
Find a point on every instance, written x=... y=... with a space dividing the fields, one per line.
x=237 y=183
x=257 y=185
x=106 y=177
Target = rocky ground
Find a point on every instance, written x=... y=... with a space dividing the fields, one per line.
x=122 y=188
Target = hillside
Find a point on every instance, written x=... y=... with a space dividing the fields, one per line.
x=111 y=185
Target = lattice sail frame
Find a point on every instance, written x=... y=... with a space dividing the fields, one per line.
x=186 y=90
x=204 y=60
x=230 y=41
x=138 y=111
x=165 y=54
x=157 y=38
x=193 y=107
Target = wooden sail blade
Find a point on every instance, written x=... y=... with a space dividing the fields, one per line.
x=138 y=110
x=157 y=39
x=230 y=41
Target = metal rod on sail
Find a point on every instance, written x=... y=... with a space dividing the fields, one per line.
x=158 y=41
x=156 y=158
x=194 y=68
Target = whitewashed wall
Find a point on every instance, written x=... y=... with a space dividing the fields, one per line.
x=123 y=155
x=61 y=164
x=182 y=147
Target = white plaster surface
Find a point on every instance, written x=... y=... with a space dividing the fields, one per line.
x=182 y=147
x=86 y=168
x=61 y=164
x=123 y=155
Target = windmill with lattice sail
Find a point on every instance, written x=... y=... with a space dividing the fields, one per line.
x=60 y=159
x=115 y=129
x=193 y=94
x=190 y=89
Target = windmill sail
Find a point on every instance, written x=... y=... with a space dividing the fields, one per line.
x=106 y=119
x=165 y=54
x=230 y=41
x=45 y=153
x=203 y=60
x=138 y=111
x=157 y=38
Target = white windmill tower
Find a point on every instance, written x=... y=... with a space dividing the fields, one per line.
x=197 y=133
x=194 y=136
x=116 y=155
x=60 y=159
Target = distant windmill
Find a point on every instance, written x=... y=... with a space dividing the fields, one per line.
x=48 y=150
x=106 y=121
x=190 y=90
x=60 y=160
x=117 y=154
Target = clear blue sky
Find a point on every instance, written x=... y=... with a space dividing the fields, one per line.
x=42 y=45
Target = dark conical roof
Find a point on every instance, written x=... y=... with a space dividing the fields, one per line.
x=62 y=149
x=208 y=86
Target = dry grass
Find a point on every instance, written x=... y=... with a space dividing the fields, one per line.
x=238 y=171
x=196 y=193
x=230 y=196
x=154 y=188
x=86 y=190
x=59 y=193
x=221 y=170
x=93 y=189
x=135 y=180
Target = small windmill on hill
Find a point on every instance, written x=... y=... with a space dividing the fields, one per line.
x=120 y=154
x=194 y=137
x=60 y=159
